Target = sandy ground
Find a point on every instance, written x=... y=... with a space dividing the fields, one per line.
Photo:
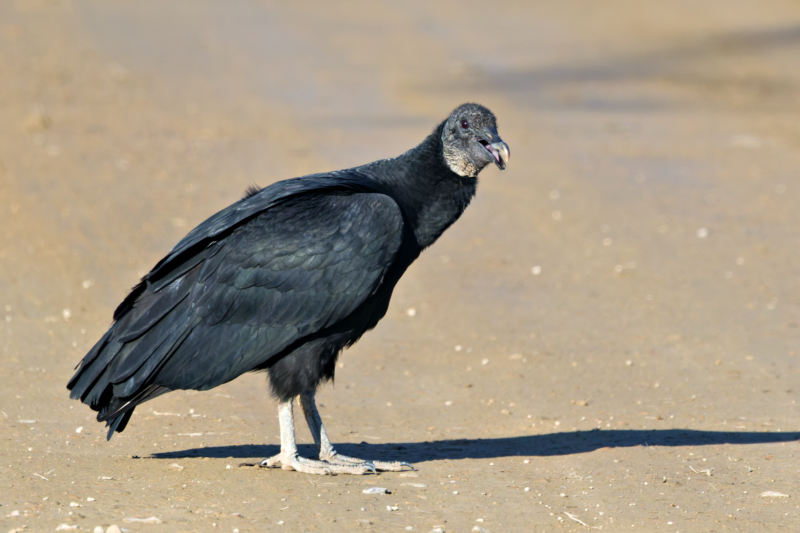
x=608 y=338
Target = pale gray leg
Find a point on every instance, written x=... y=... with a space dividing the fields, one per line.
x=291 y=460
x=325 y=448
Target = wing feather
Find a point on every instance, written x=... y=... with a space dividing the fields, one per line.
x=253 y=279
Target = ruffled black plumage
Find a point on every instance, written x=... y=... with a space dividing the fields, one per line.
x=281 y=281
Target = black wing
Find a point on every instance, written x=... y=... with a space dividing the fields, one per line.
x=185 y=254
x=239 y=289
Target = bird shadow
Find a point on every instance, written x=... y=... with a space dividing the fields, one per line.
x=552 y=444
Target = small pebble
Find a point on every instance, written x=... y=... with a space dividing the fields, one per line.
x=411 y=311
x=79 y=430
x=376 y=490
x=484 y=361
x=536 y=270
x=773 y=494
x=75 y=504
x=38 y=120
x=98 y=529
x=702 y=233
x=151 y=520
x=391 y=508
x=113 y=528
x=66 y=527
x=89 y=499
x=527 y=489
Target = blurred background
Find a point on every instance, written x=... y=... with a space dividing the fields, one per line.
x=635 y=269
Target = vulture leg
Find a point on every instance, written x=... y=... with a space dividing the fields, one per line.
x=291 y=460
x=325 y=448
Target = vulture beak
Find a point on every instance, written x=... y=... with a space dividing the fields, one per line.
x=496 y=146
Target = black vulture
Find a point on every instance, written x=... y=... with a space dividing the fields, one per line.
x=283 y=280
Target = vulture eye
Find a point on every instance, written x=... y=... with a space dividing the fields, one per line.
x=464 y=124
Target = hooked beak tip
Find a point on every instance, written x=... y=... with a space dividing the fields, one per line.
x=501 y=154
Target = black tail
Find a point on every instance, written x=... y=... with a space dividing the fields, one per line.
x=118 y=424
x=121 y=370
x=117 y=413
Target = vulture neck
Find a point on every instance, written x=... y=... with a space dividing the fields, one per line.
x=431 y=195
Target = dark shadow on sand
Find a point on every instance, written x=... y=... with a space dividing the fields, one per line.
x=552 y=444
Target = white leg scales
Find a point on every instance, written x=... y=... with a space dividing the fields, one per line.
x=325 y=448
x=289 y=459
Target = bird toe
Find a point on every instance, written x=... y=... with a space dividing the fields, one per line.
x=392 y=466
x=373 y=466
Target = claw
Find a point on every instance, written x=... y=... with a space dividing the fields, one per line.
x=270 y=461
x=393 y=466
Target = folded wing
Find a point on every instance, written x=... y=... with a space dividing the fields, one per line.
x=240 y=288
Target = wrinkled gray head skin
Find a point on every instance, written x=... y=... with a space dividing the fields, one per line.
x=470 y=141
